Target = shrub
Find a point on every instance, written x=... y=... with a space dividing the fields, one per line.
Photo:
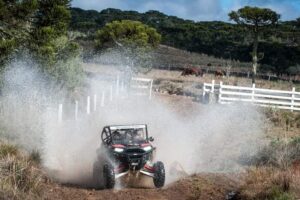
x=8 y=150
x=277 y=194
x=19 y=176
x=35 y=157
x=266 y=183
x=279 y=153
x=285 y=119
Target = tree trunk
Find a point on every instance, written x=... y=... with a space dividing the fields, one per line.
x=254 y=57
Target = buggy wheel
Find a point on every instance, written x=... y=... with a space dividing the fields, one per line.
x=108 y=176
x=97 y=174
x=159 y=174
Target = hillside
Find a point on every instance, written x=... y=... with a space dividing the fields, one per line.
x=171 y=58
x=167 y=57
x=280 y=44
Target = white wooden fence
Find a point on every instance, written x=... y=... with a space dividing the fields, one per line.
x=141 y=86
x=138 y=86
x=281 y=99
x=210 y=87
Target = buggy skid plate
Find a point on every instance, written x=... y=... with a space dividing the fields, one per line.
x=127 y=172
x=147 y=173
x=121 y=174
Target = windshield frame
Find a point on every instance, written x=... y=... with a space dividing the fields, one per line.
x=126 y=128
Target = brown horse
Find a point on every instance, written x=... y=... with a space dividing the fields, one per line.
x=192 y=71
x=219 y=73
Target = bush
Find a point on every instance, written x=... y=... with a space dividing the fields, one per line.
x=35 y=157
x=8 y=150
x=277 y=194
x=266 y=183
x=285 y=119
x=279 y=153
x=19 y=176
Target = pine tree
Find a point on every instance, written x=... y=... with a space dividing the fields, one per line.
x=15 y=20
x=255 y=19
x=132 y=39
x=50 y=44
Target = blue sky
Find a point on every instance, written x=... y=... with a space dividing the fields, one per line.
x=198 y=10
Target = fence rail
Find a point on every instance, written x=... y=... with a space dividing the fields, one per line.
x=289 y=100
x=118 y=90
x=141 y=86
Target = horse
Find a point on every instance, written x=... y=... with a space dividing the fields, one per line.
x=192 y=71
x=219 y=73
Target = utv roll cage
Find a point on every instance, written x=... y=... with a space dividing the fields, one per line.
x=107 y=132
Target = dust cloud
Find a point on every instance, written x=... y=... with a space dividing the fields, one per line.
x=213 y=138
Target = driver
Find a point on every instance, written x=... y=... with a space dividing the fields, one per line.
x=136 y=136
x=117 y=135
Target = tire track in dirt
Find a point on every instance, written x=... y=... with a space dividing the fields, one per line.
x=202 y=186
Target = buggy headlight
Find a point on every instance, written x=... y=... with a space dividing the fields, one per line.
x=119 y=150
x=147 y=148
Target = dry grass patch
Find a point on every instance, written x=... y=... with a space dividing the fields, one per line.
x=267 y=183
x=20 y=177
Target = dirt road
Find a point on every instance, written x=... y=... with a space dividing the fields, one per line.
x=202 y=186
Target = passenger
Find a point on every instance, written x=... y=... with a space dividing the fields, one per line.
x=137 y=136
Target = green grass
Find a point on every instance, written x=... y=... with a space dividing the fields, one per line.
x=278 y=194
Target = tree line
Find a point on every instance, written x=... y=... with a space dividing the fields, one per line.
x=51 y=31
x=278 y=50
x=38 y=30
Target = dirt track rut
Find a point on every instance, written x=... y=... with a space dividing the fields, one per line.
x=203 y=186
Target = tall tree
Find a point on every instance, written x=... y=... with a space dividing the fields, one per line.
x=50 y=26
x=15 y=20
x=255 y=19
x=132 y=38
x=298 y=22
x=50 y=43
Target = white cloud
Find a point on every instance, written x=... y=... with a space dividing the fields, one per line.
x=99 y=4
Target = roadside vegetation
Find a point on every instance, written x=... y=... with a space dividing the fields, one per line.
x=265 y=183
x=133 y=42
x=274 y=172
x=36 y=31
x=20 y=173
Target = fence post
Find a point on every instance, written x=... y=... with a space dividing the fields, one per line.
x=60 y=112
x=122 y=85
x=88 y=105
x=212 y=86
x=293 y=99
x=111 y=93
x=150 y=92
x=117 y=86
x=253 y=92
x=95 y=102
x=76 y=110
x=102 y=99
x=220 y=92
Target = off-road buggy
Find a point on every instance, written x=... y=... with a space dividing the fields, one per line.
x=126 y=151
